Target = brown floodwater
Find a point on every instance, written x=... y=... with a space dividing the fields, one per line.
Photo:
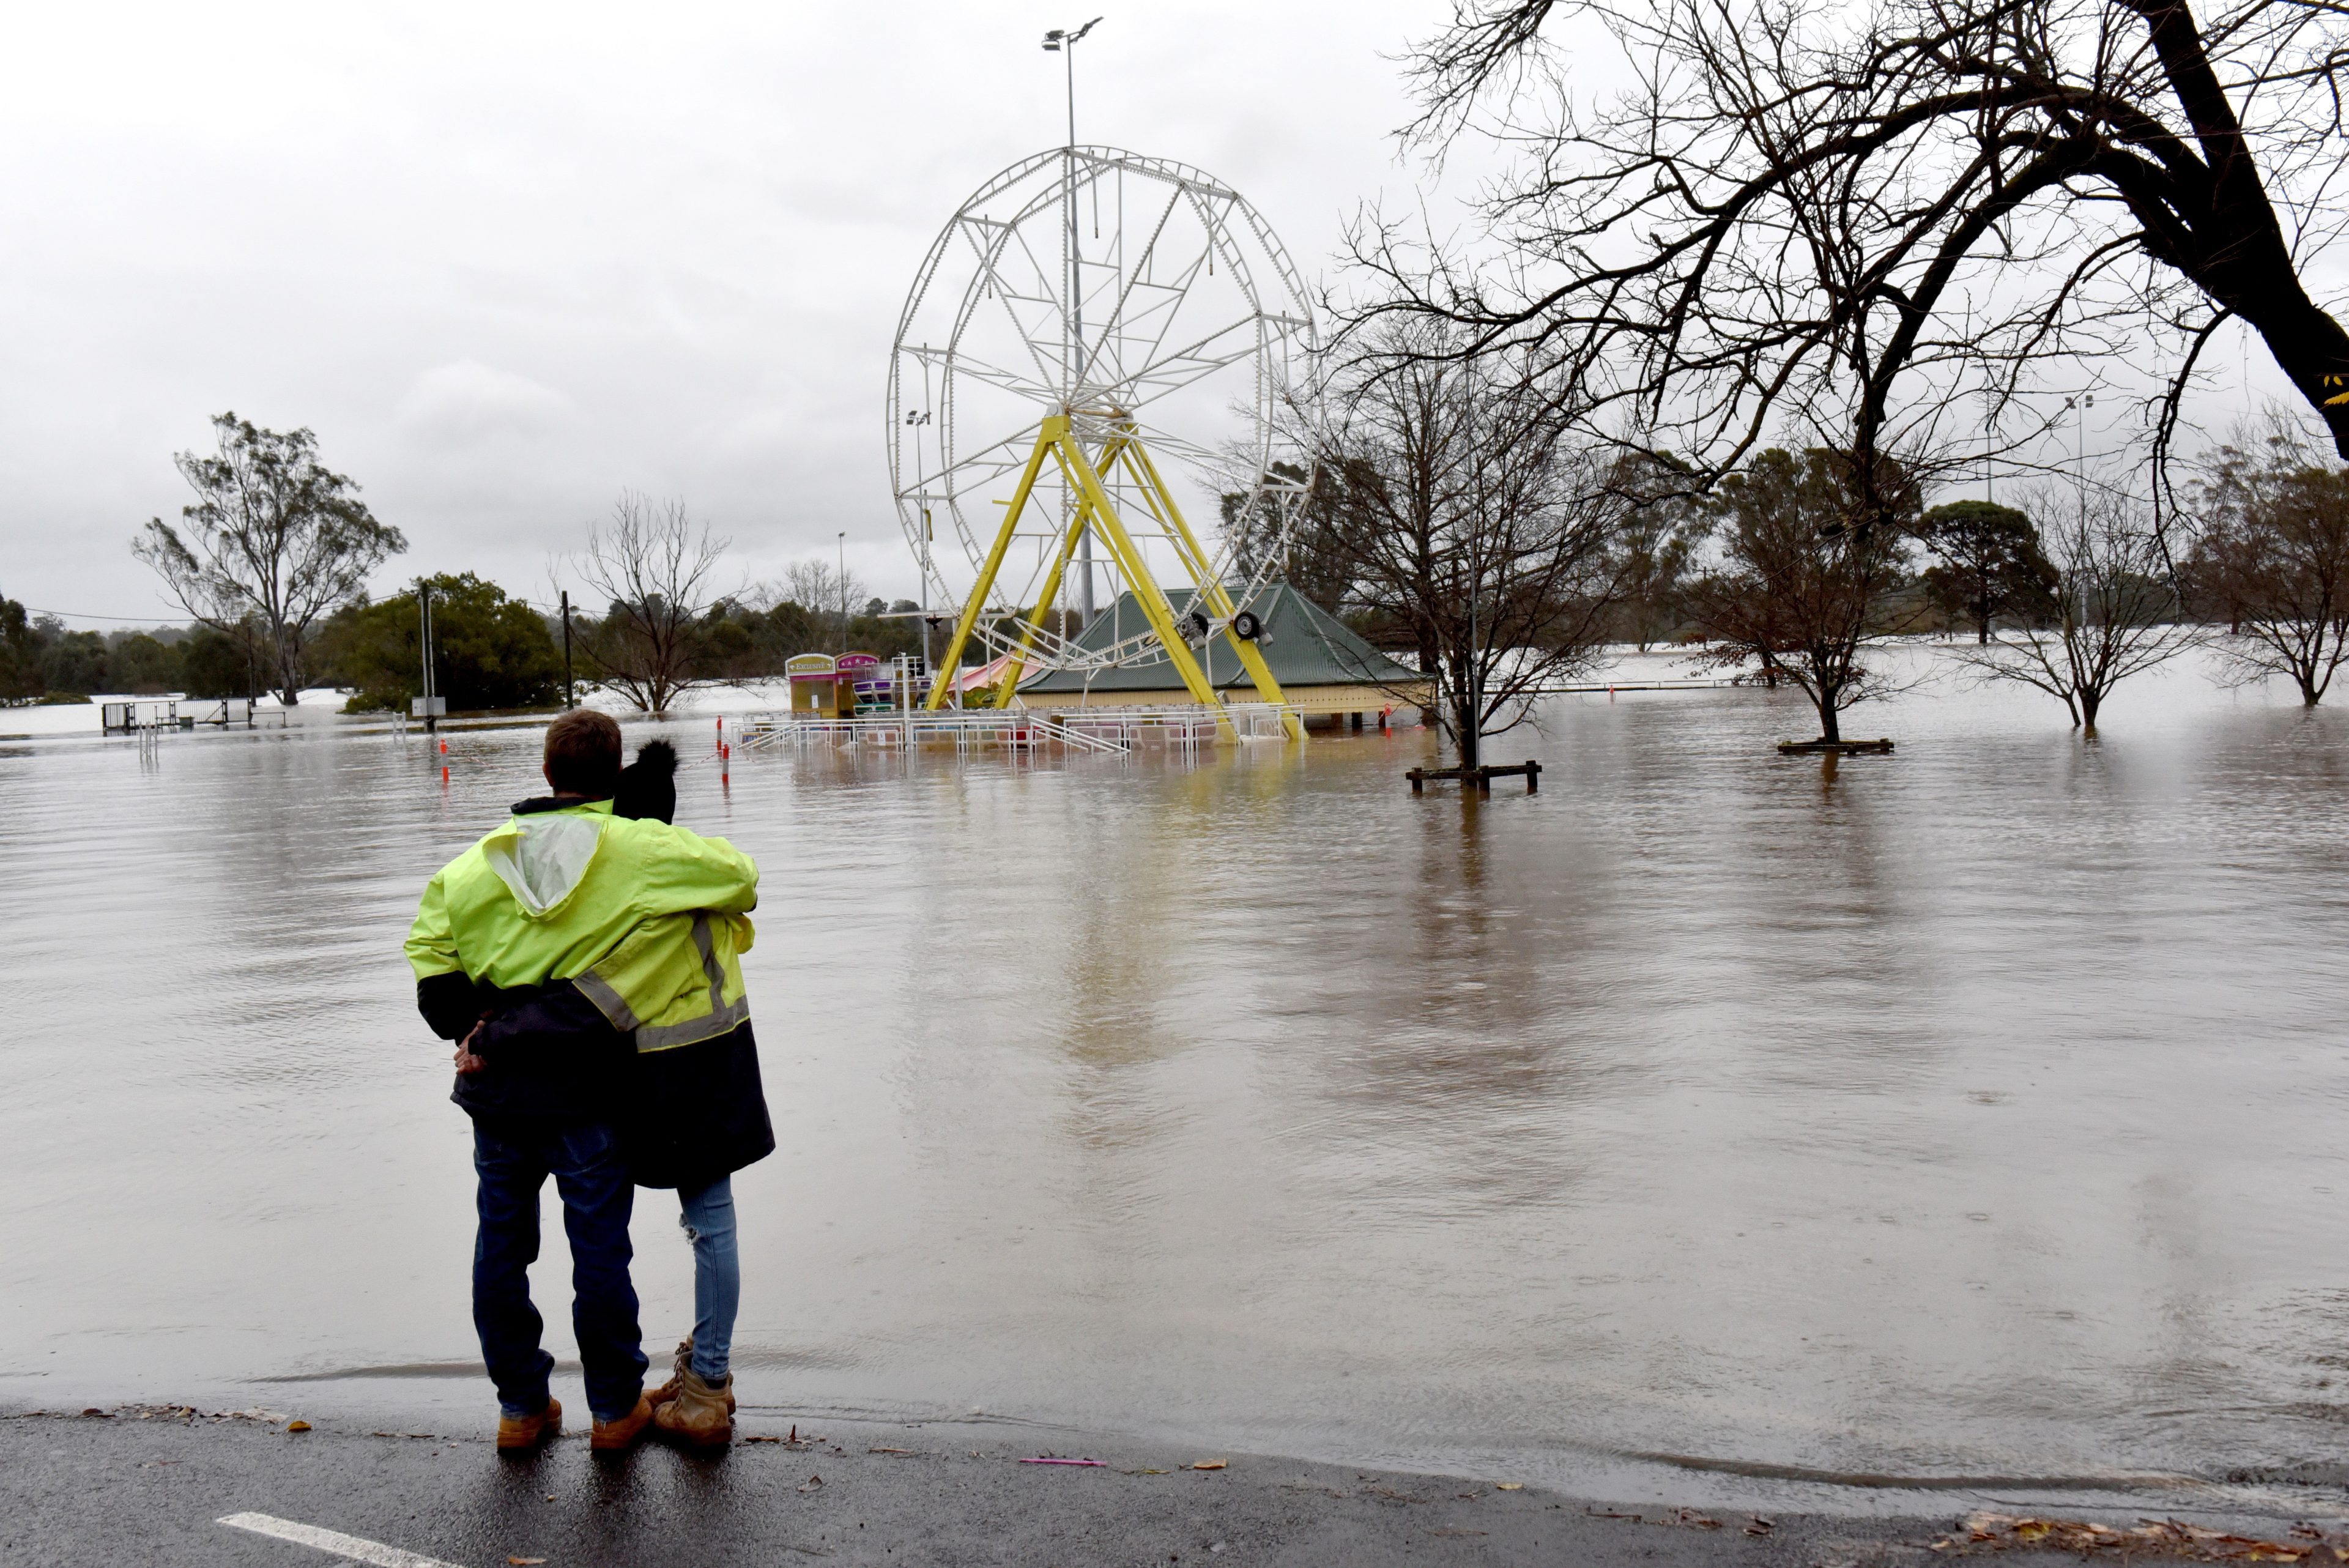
x=1973 y=1114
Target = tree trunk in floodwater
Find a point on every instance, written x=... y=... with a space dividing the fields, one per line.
x=1828 y=728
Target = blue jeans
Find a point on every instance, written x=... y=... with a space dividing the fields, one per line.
x=708 y=1222
x=514 y=1163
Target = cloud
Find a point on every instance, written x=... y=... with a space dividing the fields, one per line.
x=468 y=400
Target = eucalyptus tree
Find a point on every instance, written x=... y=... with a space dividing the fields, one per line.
x=273 y=542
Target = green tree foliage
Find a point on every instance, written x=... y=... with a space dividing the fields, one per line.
x=21 y=679
x=2274 y=559
x=489 y=650
x=1990 y=565
x=273 y=541
x=1813 y=549
x=213 y=663
x=74 y=662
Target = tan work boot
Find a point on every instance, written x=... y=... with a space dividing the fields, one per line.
x=669 y=1390
x=702 y=1412
x=615 y=1437
x=530 y=1431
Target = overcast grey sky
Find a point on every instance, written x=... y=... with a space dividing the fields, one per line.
x=506 y=260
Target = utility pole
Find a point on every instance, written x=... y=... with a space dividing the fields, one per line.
x=429 y=706
x=567 y=701
x=1064 y=41
x=843 y=590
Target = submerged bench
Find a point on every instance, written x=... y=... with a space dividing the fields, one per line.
x=1796 y=748
x=1482 y=776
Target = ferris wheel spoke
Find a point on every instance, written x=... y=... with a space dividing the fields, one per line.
x=1005 y=293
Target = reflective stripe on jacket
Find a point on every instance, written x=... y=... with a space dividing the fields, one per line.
x=675 y=980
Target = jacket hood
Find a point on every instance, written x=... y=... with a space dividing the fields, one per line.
x=542 y=858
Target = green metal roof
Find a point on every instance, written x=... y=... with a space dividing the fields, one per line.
x=1303 y=644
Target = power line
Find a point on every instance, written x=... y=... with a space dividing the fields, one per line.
x=126 y=619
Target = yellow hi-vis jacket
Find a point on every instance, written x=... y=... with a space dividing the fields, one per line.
x=646 y=918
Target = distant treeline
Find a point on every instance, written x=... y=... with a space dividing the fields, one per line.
x=491 y=650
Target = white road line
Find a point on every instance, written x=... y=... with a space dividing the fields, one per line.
x=356 y=1548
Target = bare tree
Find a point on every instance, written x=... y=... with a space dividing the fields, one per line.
x=273 y=541
x=2275 y=559
x=2113 y=605
x=830 y=597
x=1470 y=525
x=1840 y=218
x=1809 y=562
x=653 y=565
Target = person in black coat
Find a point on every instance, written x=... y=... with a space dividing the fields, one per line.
x=698 y=1114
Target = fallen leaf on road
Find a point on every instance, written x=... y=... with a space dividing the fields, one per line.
x=1209 y=1465
x=526 y=1562
x=297 y=1426
x=1508 y=1486
x=889 y=1450
x=1049 y=1459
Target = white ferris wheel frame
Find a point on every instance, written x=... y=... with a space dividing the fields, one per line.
x=1083 y=370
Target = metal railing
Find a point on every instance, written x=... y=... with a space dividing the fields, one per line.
x=966 y=729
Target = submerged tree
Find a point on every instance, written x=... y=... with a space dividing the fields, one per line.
x=1656 y=551
x=273 y=541
x=1839 y=217
x=1810 y=561
x=487 y=650
x=1991 y=563
x=652 y=566
x=1471 y=522
x=2113 y=608
x=2274 y=560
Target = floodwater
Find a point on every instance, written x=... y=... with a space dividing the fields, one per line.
x=1972 y=1112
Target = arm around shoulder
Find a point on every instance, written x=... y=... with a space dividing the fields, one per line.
x=696 y=873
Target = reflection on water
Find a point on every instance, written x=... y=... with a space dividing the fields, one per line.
x=1973 y=1111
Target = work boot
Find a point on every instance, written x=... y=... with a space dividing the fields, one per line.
x=616 y=1437
x=529 y=1431
x=668 y=1390
x=702 y=1412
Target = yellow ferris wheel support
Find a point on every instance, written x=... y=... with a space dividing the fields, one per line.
x=1056 y=441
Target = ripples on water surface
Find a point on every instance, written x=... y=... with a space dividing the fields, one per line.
x=1976 y=1110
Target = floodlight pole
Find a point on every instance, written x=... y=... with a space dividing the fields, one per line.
x=1065 y=42
x=567 y=703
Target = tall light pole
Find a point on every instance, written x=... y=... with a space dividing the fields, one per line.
x=2080 y=407
x=843 y=590
x=1063 y=41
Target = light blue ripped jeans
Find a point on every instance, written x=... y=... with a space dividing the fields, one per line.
x=708 y=1222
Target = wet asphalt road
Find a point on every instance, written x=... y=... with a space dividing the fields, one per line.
x=81 y=1490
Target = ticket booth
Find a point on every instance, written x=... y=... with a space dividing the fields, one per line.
x=818 y=691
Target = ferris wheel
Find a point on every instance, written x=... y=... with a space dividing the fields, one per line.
x=1086 y=400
